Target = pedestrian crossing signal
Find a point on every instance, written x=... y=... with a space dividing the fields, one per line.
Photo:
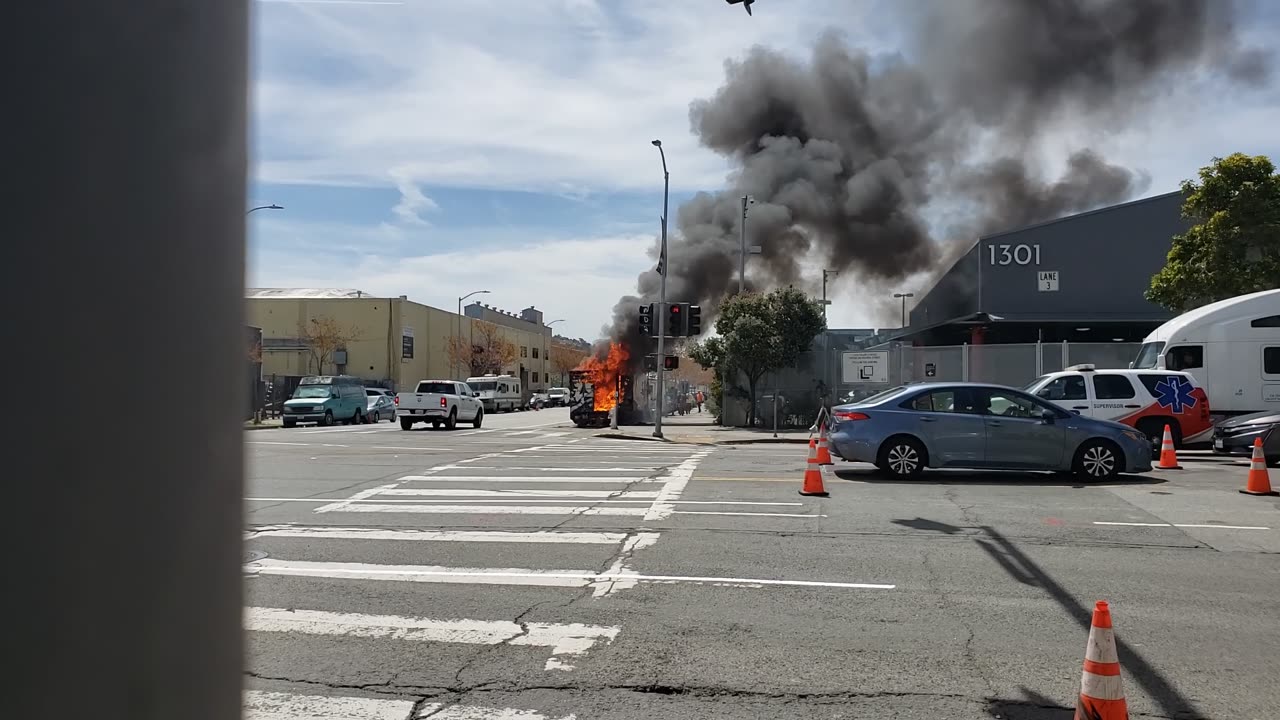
x=675 y=319
x=670 y=362
x=694 y=320
x=646 y=319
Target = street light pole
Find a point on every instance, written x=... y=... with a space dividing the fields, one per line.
x=546 y=356
x=272 y=206
x=662 y=292
x=742 y=239
x=826 y=336
x=904 y=297
x=457 y=342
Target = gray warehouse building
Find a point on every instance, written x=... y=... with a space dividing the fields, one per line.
x=1078 y=279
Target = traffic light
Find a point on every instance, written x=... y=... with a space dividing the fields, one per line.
x=670 y=362
x=694 y=320
x=650 y=363
x=646 y=319
x=675 y=319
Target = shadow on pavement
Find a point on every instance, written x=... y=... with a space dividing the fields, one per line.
x=1024 y=570
x=1032 y=706
x=980 y=477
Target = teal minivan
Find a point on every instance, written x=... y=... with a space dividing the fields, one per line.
x=326 y=399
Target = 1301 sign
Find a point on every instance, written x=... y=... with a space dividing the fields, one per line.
x=1014 y=254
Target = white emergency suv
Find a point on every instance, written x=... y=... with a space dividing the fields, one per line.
x=1145 y=400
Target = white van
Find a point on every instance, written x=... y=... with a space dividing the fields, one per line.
x=498 y=392
x=1231 y=348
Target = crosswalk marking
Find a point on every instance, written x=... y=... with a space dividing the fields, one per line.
x=562 y=639
x=262 y=705
x=462 y=492
x=613 y=580
x=373 y=507
x=519 y=478
x=484 y=536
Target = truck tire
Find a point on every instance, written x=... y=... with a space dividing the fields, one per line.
x=405 y=423
x=479 y=418
x=452 y=422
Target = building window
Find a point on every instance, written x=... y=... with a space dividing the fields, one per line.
x=535 y=353
x=533 y=377
x=524 y=351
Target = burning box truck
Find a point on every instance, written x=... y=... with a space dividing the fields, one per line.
x=592 y=388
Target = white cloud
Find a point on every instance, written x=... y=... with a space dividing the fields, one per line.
x=559 y=95
x=578 y=279
x=412 y=202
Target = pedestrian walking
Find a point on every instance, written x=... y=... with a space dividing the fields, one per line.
x=699 y=398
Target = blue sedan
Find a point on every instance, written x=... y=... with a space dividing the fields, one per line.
x=969 y=425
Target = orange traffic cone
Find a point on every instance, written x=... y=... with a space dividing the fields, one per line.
x=1101 y=692
x=813 y=475
x=1259 y=482
x=824 y=446
x=1168 y=458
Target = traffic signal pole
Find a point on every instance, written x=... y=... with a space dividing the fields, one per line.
x=662 y=292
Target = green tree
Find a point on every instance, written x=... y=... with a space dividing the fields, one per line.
x=759 y=333
x=1234 y=247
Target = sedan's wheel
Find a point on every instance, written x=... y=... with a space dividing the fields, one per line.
x=1097 y=460
x=902 y=457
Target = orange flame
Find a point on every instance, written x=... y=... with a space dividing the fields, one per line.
x=604 y=373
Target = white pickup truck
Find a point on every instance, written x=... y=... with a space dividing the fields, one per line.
x=438 y=402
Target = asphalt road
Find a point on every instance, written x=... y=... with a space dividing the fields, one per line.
x=531 y=570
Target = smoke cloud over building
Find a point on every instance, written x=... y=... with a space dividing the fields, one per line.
x=845 y=154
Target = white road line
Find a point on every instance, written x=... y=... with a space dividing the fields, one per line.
x=647 y=468
x=562 y=639
x=484 y=509
x=491 y=536
x=260 y=705
x=676 y=480
x=358 y=496
x=532 y=479
x=433 y=711
x=733 y=502
x=1184 y=525
x=518 y=576
x=520 y=479
x=745 y=514
x=462 y=492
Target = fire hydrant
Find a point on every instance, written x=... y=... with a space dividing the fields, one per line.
x=613 y=412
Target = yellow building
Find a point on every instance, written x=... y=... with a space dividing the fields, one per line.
x=392 y=341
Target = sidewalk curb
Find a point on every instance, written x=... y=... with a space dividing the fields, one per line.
x=251 y=426
x=747 y=441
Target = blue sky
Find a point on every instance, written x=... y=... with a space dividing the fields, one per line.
x=435 y=147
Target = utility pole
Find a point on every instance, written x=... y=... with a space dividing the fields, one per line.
x=663 y=262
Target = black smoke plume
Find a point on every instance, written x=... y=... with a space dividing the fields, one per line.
x=847 y=153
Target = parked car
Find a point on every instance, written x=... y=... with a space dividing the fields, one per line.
x=557 y=396
x=1235 y=436
x=1146 y=400
x=439 y=402
x=382 y=404
x=971 y=425
x=325 y=400
x=537 y=401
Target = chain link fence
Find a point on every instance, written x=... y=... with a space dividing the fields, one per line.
x=840 y=375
